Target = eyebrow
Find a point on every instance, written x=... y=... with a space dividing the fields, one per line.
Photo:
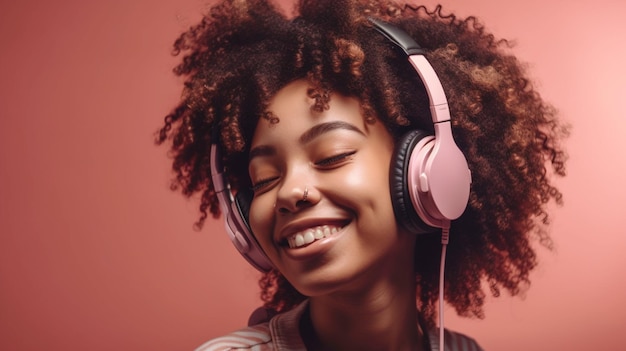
x=306 y=137
x=322 y=128
x=262 y=150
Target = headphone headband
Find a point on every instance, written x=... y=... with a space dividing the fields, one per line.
x=439 y=109
x=398 y=37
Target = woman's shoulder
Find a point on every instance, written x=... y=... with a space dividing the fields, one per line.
x=454 y=341
x=266 y=332
x=257 y=337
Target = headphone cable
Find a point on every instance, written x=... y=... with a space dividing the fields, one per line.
x=445 y=237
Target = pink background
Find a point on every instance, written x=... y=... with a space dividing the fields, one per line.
x=96 y=253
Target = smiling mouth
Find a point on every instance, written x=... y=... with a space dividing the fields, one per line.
x=308 y=236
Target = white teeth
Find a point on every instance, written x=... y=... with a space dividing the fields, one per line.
x=310 y=235
x=318 y=234
x=327 y=231
x=298 y=240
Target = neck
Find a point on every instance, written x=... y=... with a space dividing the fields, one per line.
x=381 y=317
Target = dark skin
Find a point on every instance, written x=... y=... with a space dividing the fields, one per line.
x=510 y=136
x=359 y=276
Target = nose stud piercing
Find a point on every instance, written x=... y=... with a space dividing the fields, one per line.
x=305 y=194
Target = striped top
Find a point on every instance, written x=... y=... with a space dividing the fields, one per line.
x=281 y=334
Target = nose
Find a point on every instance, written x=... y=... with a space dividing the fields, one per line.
x=297 y=193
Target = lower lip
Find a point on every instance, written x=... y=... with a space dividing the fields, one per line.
x=316 y=248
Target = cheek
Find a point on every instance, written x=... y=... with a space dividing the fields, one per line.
x=367 y=183
x=261 y=220
x=365 y=186
x=372 y=175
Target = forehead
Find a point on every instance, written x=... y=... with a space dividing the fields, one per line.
x=293 y=108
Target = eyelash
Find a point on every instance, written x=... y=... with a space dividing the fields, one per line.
x=262 y=183
x=334 y=160
x=324 y=163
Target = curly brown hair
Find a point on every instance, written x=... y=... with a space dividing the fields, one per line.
x=244 y=51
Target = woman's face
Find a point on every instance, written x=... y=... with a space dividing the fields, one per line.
x=344 y=233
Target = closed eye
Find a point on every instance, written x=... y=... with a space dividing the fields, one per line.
x=335 y=160
x=262 y=184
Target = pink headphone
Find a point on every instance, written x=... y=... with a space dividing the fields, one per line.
x=429 y=176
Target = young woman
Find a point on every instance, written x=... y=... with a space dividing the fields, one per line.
x=333 y=129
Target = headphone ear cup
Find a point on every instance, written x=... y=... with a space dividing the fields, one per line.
x=242 y=202
x=241 y=211
x=236 y=212
x=403 y=208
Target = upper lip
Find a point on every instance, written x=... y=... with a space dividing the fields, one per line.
x=299 y=225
